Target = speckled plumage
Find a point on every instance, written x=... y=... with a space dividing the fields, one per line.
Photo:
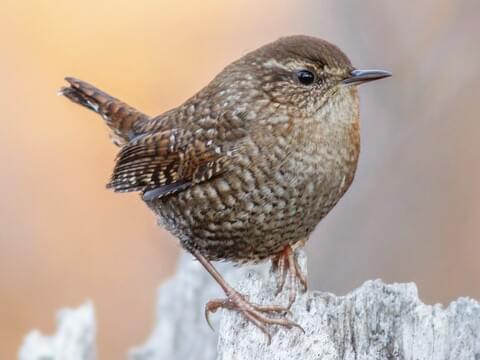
x=294 y=154
x=281 y=183
x=254 y=160
x=246 y=168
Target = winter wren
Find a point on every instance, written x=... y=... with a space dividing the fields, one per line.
x=245 y=169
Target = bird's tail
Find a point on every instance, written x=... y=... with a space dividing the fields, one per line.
x=119 y=116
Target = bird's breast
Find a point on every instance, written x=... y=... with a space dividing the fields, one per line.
x=321 y=164
x=274 y=194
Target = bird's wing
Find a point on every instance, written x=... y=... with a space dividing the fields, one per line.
x=166 y=162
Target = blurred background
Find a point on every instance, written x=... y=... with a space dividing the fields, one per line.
x=411 y=215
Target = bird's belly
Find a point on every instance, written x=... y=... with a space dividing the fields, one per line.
x=249 y=214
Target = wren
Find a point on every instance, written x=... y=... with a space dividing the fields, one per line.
x=245 y=169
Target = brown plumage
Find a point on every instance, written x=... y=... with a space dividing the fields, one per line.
x=246 y=168
x=120 y=117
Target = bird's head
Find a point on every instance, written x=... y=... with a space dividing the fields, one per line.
x=301 y=73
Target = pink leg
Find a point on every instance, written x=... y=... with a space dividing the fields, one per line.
x=287 y=266
x=259 y=315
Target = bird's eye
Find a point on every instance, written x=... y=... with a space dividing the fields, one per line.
x=305 y=77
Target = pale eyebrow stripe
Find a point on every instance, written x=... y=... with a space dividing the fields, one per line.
x=271 y=63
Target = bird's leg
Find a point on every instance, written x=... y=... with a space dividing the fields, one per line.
x=257 y=314
x=287 y=267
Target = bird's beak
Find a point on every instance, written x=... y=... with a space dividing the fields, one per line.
x=358 y=77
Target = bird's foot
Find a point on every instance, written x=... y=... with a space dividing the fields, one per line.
x=259 y=315
x=286 y=266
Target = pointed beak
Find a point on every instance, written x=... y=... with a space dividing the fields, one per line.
x=358 y=77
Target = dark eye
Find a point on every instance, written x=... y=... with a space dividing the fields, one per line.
x=305 y=77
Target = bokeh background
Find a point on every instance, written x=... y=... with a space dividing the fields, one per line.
x=412 y=213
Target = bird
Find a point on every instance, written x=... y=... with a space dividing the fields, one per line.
x=245 y=169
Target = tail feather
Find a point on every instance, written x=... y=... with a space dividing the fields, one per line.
x=120 y=117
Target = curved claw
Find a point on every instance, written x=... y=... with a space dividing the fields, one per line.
x=211 y=307
x=207 y=317
x=300 y=328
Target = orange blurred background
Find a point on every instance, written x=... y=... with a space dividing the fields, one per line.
x=411 y=215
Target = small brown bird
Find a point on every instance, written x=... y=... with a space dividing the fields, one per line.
x=245 y=169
